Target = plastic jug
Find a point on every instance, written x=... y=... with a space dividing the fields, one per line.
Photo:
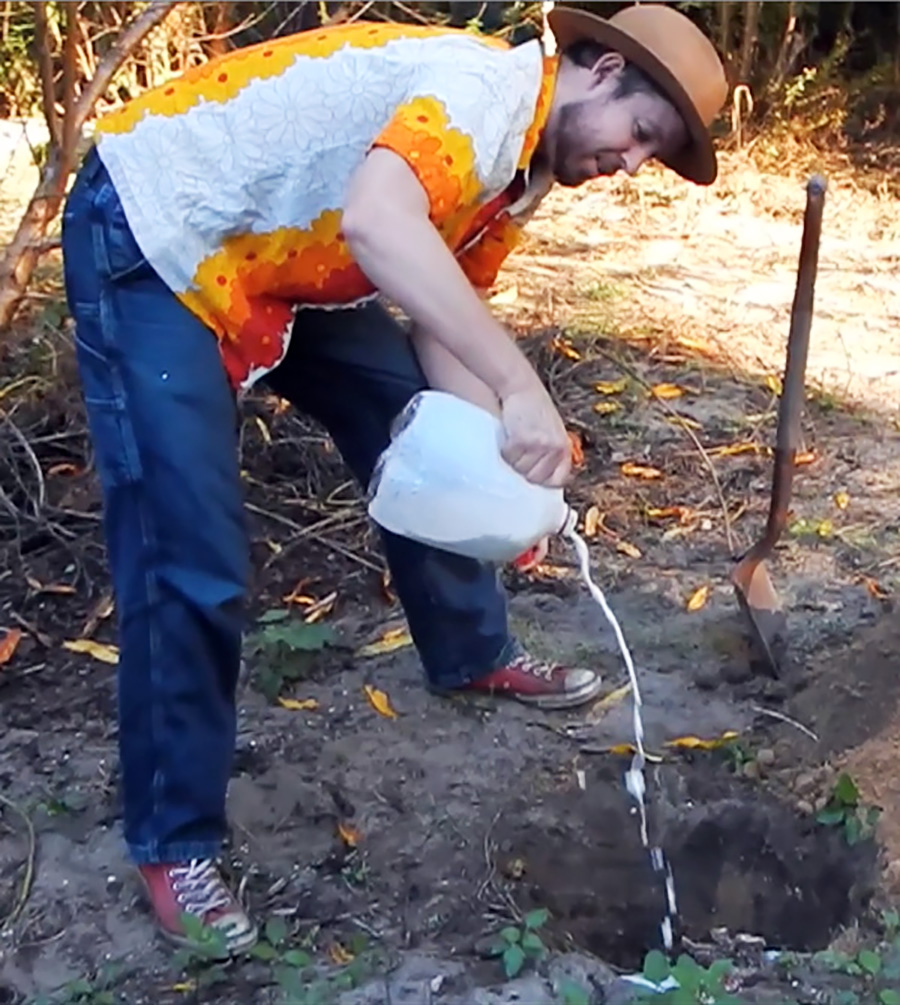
x=443 y=482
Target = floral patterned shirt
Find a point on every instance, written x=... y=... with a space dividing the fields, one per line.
x=233 y=176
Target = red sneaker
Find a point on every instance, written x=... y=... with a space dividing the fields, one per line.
x=196 y=888
x=535 y=682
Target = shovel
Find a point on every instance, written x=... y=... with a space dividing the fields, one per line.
x=755 y=593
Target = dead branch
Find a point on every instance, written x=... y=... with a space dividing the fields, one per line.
x=128 y=41
x=45 y=66
x=22 y=254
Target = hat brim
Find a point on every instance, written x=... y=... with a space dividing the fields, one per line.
x=696 y=160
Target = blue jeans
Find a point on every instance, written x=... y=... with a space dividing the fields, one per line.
x=164 y=424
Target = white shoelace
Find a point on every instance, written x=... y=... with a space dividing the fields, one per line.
x=198 y=887
x=537 y=668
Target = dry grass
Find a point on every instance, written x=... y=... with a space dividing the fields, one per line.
x=710 y=272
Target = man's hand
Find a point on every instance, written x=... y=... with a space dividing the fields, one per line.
x=537 y=444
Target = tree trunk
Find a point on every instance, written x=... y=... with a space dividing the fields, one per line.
x=22 y=254
x=221 y=24
x=786 y=51
x=748 y=43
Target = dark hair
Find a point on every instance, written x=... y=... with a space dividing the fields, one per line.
x=632 y=80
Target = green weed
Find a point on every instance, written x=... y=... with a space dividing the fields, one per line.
x=845 y=811
x=285 y=648
x=516 y=944
x=697 y=985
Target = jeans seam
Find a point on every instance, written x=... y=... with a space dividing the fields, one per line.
x=148 y=537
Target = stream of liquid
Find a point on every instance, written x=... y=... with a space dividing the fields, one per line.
x=635 y=781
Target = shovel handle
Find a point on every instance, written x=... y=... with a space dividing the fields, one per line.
x=790 y=407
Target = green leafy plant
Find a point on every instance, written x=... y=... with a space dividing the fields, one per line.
x=697 y=985
x=287 y=647
x=202 y=960
x=302 y=984
x=845 y=811
x=737 y=753
x=95 y=990
x=870 y=966
x=573 y=994
x=516 y=944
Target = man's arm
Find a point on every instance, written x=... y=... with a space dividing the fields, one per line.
x=444 y=372
x=387 y=228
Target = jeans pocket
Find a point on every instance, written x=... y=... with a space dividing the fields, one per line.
x=124 y=260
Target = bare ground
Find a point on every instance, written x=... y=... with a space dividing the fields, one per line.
x=406 y=841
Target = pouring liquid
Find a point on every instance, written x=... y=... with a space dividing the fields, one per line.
x=635 y=781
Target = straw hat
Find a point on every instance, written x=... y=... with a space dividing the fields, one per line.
x=675 y=55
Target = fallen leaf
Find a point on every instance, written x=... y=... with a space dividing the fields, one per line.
x=185 y=987
x=299 y=704
x=607 y=407
x=263 y=431
x=876 y=590
x=9 y=644
x=608 y=701
x=395 y=638
x=611 y=386
x=805 y=457
x=698 y=599
x=682 y=530
x=340 y=955
x=773 y=383
x=696 y=743
x=99 y=650
x=592 y=520
x=735 y=449
x=629 y=748
x=697 y=344
x=566 y=349
x=825 y=528
x=628 y=549
x=387 y=590
x=668 y=512
x=296 y=596
x=640 y=471
x=841 y=499
x=101 y=610
x=577 y=449
x=320 y=608
x=380 y=702
x=505 y=297
x=349 y=834
x=548 y=571
x=683 y=421
x=666 y=391
x=65 y=468
x=278 y=405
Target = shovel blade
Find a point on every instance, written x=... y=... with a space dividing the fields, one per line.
x=762 y=607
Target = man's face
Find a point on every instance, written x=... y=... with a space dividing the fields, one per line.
x=601 y=133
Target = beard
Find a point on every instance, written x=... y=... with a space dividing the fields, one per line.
x=572 y=166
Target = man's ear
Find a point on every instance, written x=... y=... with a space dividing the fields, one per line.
x=608 y=65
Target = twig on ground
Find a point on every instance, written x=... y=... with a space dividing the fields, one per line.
x=781 y=717
x=30 y=454
x=313 y=529
x=28 y=877
x=682 y=425
x=327 y=541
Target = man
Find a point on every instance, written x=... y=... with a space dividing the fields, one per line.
x=209 y=239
